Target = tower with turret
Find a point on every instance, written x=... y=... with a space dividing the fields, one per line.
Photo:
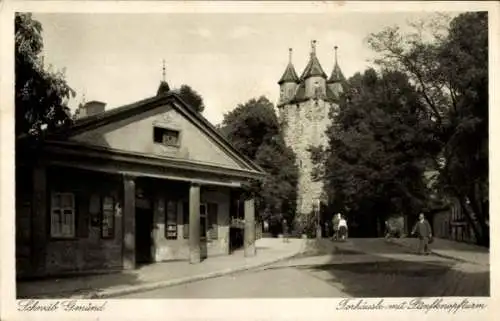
x=304 y=106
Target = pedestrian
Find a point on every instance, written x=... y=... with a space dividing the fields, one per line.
x=285 y=231
x=327 y=229
x=424 y=233
x=342 y=228
x=266 y=226
x=335 y=223
x=387 y=230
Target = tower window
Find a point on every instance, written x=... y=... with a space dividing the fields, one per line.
x=167 y=137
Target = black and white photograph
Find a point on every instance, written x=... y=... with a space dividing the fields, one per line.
x=251 y=155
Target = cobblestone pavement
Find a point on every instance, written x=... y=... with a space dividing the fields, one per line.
x=356 y=268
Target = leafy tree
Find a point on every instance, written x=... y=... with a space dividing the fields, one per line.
x=40 y=94
x=254 y=130
x=379 y=145
x=192 y=98
x=449 y=63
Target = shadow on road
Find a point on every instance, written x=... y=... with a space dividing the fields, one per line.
x=388 y=270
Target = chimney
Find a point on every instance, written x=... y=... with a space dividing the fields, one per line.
x=91 y=108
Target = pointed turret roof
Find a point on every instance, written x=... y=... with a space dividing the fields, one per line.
x=164 y=87
x=289 y=75
x=313 y=67
x=337 y=75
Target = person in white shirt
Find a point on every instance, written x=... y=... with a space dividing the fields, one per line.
x=343 y=228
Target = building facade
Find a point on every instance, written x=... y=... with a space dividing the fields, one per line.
x=450 y=223
x=148 y=182
x=305 y=105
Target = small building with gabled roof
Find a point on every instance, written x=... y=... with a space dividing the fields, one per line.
x=147 y=182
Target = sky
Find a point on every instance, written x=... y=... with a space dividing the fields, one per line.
x=228 y=58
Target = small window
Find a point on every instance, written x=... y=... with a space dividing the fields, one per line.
x=62 y=215
x=167 y=137
x=108 y=218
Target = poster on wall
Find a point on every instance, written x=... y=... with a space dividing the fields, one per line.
x=108 y=222
x=171 y=220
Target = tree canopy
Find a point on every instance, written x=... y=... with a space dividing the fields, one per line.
x=254 y=130
x=192 y=98
x=379 y=145
x=41 y=94
x=447 y=59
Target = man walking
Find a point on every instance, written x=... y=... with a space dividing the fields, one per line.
x=285 y=230
x=424 y=232
x=343 y=228
x=335 y=225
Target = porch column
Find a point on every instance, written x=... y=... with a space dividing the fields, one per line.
x=194 y=224
x=128 y=257
x=249 y=233
x=39 y=220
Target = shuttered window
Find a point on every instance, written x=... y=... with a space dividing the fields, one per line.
x=208 y=220
x=212 y=221
x=62 y=215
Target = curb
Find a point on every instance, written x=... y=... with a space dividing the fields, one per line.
x=164 y=284
x=437 y=254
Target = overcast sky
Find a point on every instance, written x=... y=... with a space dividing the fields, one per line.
x=227 y=58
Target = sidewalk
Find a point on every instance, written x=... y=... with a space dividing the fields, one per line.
x=450 y=249
x=158 y=275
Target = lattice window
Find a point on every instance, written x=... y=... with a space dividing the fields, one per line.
x=167 y=137
x=62 y=215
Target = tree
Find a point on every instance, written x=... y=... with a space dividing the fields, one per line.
x=449 y=63
x=254 y=130
x=40 y=94
x=192 y=98
x=379 y=144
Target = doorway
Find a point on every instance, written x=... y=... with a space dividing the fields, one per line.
x=143 y=240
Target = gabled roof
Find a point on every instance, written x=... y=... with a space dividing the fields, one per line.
x=289 y=75
x=313 y=68
x=142 y=106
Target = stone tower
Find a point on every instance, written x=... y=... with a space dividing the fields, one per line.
x=304 y=107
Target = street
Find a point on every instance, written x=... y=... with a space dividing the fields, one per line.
x=356 y=268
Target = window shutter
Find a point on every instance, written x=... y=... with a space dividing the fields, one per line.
x=185 y=219
x=212 y=221
x=81 y=215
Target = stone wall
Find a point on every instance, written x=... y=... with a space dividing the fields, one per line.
x=304 y=125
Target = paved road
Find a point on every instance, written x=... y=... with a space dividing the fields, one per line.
x=357 y=268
